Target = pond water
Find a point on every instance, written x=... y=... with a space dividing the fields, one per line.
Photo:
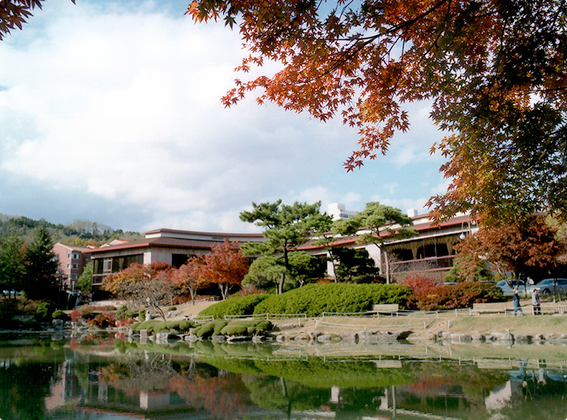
x=107 y=378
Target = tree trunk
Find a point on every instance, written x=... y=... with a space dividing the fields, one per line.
x=281 y=284
x=193 y=293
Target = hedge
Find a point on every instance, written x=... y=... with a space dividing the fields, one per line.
x=460 y=295
x=314 y=299
x=239 y=328
x=238 y=305
x=154 y=326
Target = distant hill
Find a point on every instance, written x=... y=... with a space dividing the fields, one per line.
x=79 y=232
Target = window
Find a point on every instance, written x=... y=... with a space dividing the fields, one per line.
x=107 y=265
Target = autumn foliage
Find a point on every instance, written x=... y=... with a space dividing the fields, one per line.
x=190 y=276
x=494 y=72
x=460 y=295
x=526 y=247
x=146 y=285
x=226 y=266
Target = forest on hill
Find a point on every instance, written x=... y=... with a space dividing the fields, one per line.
x=79 y=232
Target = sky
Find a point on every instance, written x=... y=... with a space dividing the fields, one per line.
x=110 y=111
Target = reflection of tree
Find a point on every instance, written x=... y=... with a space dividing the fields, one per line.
x=223 y=397
x=136 y=374
x=23 y=390
x=358 y=402
x=450 y=386
x=279 y=393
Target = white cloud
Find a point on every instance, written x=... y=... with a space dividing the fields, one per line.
x=118 y=106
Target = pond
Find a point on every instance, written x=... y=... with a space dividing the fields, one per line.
x=109 y=378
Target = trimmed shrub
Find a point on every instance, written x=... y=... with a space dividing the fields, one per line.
x=59 y=314
x=43 y=311
x=124 y=313
x=235 y=328
x=460 y=295
x=210 y=328
x=146 y=325
x=155 y=326
x=237 y=305
x=417 y=283
x=247 y=328
x=314 y=299
x=102 y=320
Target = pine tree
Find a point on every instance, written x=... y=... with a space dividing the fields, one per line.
x=41 y=270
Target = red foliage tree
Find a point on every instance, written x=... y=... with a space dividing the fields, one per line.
x=495 y=72
x=148 y=285
x=190 y=276
x=526 y=247
x=226 y=266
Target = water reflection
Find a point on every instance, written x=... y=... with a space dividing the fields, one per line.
x=111 y=379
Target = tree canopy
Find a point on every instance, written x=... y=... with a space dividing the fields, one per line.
x=14 y=13
x=286 y=227
x=146 y=285
x=226 y=266
x=494 y=71
x=529 y=247
x=41 y=267
x=381 y=223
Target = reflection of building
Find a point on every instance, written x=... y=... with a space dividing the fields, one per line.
x=72 y=260
x=171 y=246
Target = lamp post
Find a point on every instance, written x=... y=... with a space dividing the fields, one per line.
x=462 y=236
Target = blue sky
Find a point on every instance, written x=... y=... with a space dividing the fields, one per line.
x=110 y=111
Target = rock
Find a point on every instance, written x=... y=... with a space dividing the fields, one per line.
x=522 y=338
x=314 y=334
x=349 y=337
x=386 y=335
x=57 y=323
x=364 y=335
x=325 y=338
x=192 y=338
x=460 y=338
x=218 y=338
x=478 y=338
x=280 y=338
x=173 y=314
x=162 y=338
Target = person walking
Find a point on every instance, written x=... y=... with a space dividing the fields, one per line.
x=517 y=304
x=536 y=303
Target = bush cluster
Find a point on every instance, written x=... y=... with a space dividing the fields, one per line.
x=155 y=326
x=102 y=320
x=233 y=328
x=237 y=305
x=314 y=299
x=124 y=313
x=460 y=295
x=59 y=314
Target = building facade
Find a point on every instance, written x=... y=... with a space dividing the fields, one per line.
x=171 y=246
x=431 y=251
x=72 y=260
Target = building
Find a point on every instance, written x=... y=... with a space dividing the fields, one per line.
x=72 y=260
x=171 y=246
x=338 y=211
x=431 y=251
